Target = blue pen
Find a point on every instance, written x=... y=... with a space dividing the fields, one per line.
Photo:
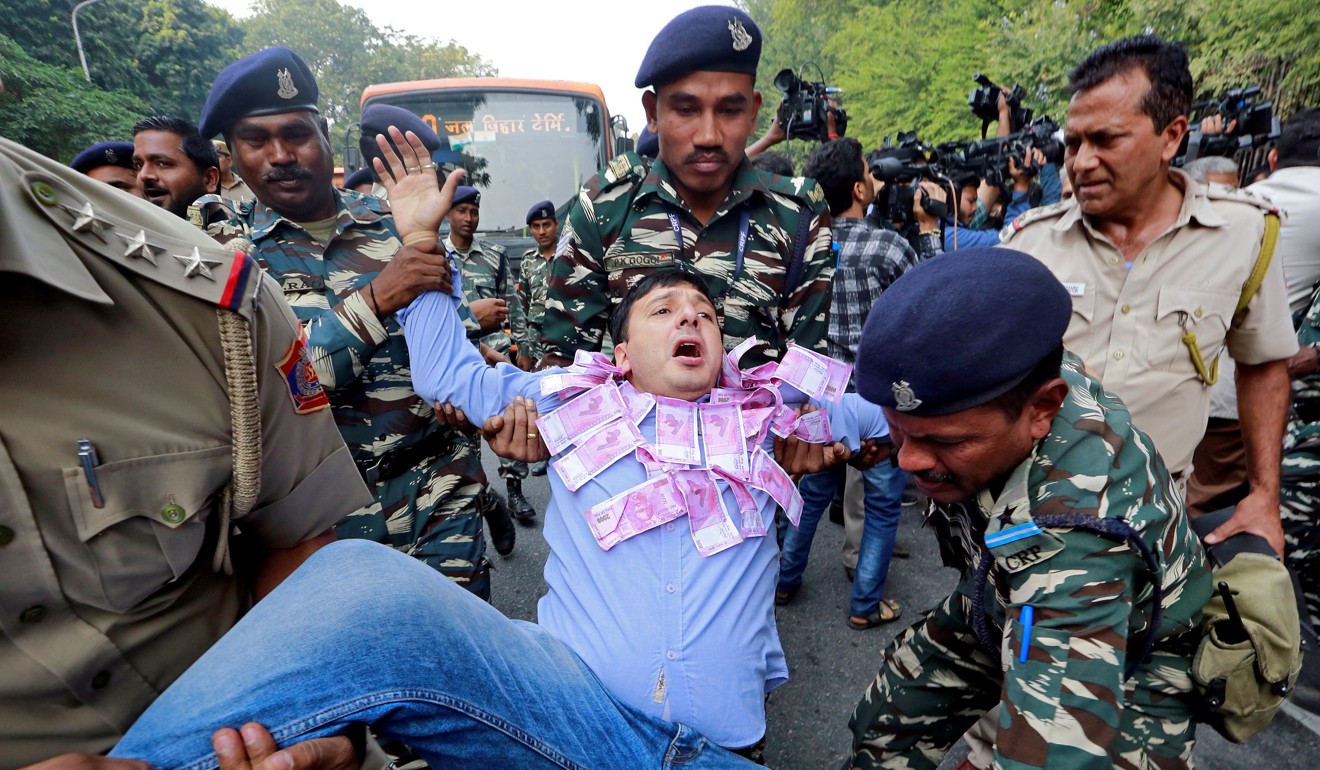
x=1028 y=615
x=87 y=455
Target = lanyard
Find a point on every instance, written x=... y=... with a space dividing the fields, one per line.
x=744 y=226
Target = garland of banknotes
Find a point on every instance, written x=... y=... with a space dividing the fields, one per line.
x=598 y=427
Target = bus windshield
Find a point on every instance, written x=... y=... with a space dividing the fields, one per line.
x=520 y=147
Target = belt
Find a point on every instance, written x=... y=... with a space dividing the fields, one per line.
x=393 y=463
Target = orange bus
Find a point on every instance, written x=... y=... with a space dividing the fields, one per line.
x=523 y=141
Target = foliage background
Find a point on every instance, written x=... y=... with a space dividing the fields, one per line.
x=902 y=65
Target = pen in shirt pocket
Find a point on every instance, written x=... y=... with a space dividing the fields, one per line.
x=1028 y=617
x=87 y=456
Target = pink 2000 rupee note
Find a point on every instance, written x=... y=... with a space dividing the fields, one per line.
x=645 y=506
x=784 y=420
x=676 y=439
x=597 y=452
x=768 y=477
x=818 y=376
x=637 y=404
x=753 y=524
x=722 y=432
x=579 y=417
x=712 y=529
x=814 y=427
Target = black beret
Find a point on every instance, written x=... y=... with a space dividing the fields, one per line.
x=648 y=144
x=377 y=118
x=104 y=154
x=712 y=38
x=362 y=176
x=466 y=194
x=542 y=210
x=959 y=330
x=268 y=82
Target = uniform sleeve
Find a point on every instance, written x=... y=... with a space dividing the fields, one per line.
x=804 y=318
x=523 y=289
x=308 y=480
x=1265 y=332
x=517 y=308
x=343 y=339
x=446 y=368
x=577 y=303
x=1062 y=707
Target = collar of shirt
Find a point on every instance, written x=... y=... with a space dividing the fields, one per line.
x=746 y=184
x=353 y=208
x=1195 y=205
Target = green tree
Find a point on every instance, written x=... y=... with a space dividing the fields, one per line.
x=54 y=110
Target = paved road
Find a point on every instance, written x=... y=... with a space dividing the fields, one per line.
x=831 y=664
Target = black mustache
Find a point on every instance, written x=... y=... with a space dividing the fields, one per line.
x=934 y=477
x=704 y=155
x=155 y=190
x=289 y=174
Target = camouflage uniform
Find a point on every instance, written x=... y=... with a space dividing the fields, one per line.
x=619 y=230
x=428 y=508
x=1068 y=706
x=1299 y=491
x=487 y=275
x=533 y=281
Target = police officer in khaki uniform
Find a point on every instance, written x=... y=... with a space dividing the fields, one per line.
x=166 y=453
x=1157 y=265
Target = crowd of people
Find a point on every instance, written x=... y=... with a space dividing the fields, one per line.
x=240 y=453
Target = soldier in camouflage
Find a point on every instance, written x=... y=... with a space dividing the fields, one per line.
x=761 y=242
x=1299 y=492
x=534 y=276
x=1082 y=584
x=346 y=263
x=489 y=289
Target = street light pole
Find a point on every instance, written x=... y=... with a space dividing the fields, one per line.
x=78 y=38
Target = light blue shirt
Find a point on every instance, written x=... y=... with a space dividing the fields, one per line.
x=684 y=638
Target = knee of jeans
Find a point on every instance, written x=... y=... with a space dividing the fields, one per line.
x=372 y=578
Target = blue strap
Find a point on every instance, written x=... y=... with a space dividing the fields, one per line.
x=744 y=230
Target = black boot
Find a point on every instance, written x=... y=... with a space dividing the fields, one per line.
x=498 y=524
x=522 y=510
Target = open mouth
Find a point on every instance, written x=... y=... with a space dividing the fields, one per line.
x=688 y=351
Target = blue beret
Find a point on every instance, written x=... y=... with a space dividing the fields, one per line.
x=376 y=118
x=104 y=154
x=959 y=330
x=268 y=82
x=465 y=194
x=648 y=144
x=542 y=210
x=359 y=177
x=714 y=38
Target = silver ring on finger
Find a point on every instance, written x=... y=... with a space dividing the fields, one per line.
x=428 y=165
x=412 y=169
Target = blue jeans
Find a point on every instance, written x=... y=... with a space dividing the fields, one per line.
x=364 y=634
x=884 y=504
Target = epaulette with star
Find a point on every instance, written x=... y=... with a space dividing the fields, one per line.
x=1031 y=216
x=799 y=187
x=186 y=261
x=628 y=167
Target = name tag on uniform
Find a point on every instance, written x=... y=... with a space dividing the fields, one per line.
x=1075 y=289
x=645 y=260
x=1024 y=545
x=296 y=284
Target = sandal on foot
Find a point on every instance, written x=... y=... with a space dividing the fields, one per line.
x=879 y=617
x=783 y=597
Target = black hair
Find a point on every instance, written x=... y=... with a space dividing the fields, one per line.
x=1299 y=142
x=200 y=151
x=1165 y=64
x=836 y=166
x=661 y=279
x=774 y=163
x=1016 y=398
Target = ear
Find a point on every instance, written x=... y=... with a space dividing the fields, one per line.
x=621 y=358
x=1045 y=406
x=756 y=104
x=1273 y=159
x=211 y=179
x=649 y=102
x=1173 y=135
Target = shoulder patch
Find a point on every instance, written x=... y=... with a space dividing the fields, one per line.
x=300 y=376
x=621 y=168
x=1219 y=192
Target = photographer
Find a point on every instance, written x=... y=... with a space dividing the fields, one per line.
x=977 y=199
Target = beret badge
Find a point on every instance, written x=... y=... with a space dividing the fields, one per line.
x=741 y=37
x=905 y=400
x=287 y=89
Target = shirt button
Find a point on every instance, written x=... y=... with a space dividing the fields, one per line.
x=1113 y=260
x=101 y=679
x=1197 y=313
x=1127 y=309
x=33 y=614
x=670 y=526
x=670 y=588
x=671 y=655
x=6 y=535
x=1118 y=355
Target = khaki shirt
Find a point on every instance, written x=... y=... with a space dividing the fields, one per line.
x=103 y=606
x=238 y=192
x=1128 y=325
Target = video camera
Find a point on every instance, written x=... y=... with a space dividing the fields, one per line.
x=984 y=102
x=806 y=107
x=1250 y=128
x=898 y=167
x=989 y=158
